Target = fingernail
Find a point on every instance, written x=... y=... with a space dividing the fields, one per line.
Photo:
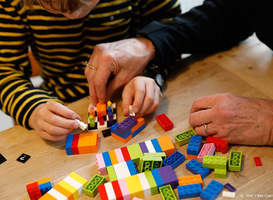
x=76 y=125
x=136 y=109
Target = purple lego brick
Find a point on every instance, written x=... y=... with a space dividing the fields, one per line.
x=126 y=124
x=143 y=147
x=230 y=187
x=168 y=176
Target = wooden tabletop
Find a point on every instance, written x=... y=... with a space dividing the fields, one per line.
x=244 y=70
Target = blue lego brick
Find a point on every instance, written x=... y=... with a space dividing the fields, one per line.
x=213 y=189
x=194 y=145
x=197 y=168
x=107 y=159
x=175 y=159
x=45 y=187
x=115 y=131
x=126 y=125
x=189 y=191
x=158 y=179
x=68 y=145
x=156 y=145
x=138 y=130
x=131 y=167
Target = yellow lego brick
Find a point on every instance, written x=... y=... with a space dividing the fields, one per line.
x=113 y=157
x=74 y=191
x=78 y=178
x=134 y=186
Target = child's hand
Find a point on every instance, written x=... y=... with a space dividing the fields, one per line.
x=143 y=93
x=53 y=121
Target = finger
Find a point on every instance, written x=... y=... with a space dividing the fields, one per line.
x=205 y=131
x=148 y=99
x=62 y=110
x=127 y=99
x=157 y=99
x=200 y=117
x=203 y=103
x=50 y=137
x=90 y=74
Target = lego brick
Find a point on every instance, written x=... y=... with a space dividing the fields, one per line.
x=47 y=196
x=135 y=152
x=45 y=187
x=70 y=189
x=164 y=122
x=106 y=132
x=75 y=142
x=145 y=163
x=122 y=170
x=145 y=185
x=228 y=194
x=151 y=181
x=119 y=155
x=124 y=189
x=158 y=154
x=126 y=124
x=101 y=109
x=220 y=145
x=213 y=189
x=214 y=162
x=166 y=145
x=63 y=191
x=230 y=187
x=54 y=193
x=101 y=164
x=189 y=191
x=190 y=157
x=83 y=126
x=143 y=147
x=33 y=190
x=134 y=186
x=110 y=191
x=106 y=158
x=138 y=130
x=117 y=190
x=207 y=149
x=88 y=143
x=220 y=173
x=132 y=167
x=91 y=188
x=235 y=161
x=197 y=168
x=184 y=137
x=125 y=153
x=257 y=161
x=111 y=173
x=156 y=145
x=168 y=176
x=122 y=139
x=140 y=123
x=113 y=157
x=102 y=191
x=194 y=145
x=175 y=159
x=157 y=178
x=68 y=144
x=167 y=193
x=150 y=146
x=116 y=132
x=188 y=180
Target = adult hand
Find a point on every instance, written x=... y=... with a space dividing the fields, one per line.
x=143 y=93
x=236 y=119
x=53 y=121
x=123 y=59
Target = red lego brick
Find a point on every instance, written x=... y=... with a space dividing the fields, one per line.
x=75 y=142
x=164 y=122
x=34 y=191
x=258 y=161
x=117 y=190
x=220 y=145
x=125 y=153
x=102 y=191
x=101 y=120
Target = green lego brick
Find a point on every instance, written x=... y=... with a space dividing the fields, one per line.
x=157 y=162
x=235 y=161
x=151 y=181
x=135 y=153
x=184 y=137
x=220 y=173
x=167 y=192
x=111 y=173
x=91 y=189
x=159 y=154
x=213 y=162
x=145 y=164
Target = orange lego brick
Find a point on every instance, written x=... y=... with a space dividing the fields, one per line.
x=44 y=180
x=113 y=157
x=101 y=109
x=189 y=157
x=140 y=122
x=65 y=192
x=122 y=139
x=47 y=196
x=166 y=145
x=187 y=180
x=88 y=143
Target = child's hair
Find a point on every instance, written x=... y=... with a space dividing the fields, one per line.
x=65 y=5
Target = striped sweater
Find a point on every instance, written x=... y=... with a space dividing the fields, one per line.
x=61 y=46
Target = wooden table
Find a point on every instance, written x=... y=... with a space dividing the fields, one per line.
x=244 y=70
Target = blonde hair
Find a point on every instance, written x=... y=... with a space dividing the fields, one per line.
x=65 y=5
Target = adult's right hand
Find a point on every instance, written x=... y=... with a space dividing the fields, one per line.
x=123 y=59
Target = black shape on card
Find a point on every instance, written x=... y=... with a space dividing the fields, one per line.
x=2 y=159
x=23 y=158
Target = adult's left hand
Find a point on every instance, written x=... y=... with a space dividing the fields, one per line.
x=236 y=119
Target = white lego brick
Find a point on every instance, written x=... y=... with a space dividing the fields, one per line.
x=150 y=146
x=110 y=191
x=228 y=194
x=122 y=170
x=56 y=194
x=83 y=126
x=75 y=184
x=145 y=185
